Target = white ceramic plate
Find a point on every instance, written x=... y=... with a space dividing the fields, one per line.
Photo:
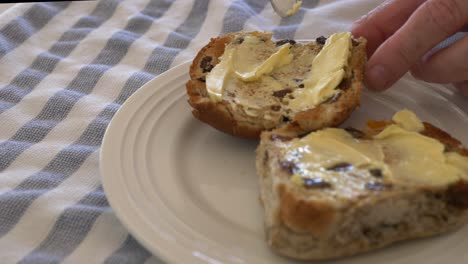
x=189 y=193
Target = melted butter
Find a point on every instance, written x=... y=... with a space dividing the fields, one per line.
x=404 y=156
x=458 y=161
x=415 y=158
x=247 y=69
x=247 y=62
x=328 y=70
x=256 y=68
x=408 y=120
x=294 y=9
x=320 y=150
x=217 y=77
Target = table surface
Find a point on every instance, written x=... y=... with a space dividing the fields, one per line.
x=66 y=68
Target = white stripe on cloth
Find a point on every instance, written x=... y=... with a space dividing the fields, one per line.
x=40 y=41
x=123 y=72
x=83 y=113
x=333 y=16
x=87 y=108
x=114 y=87
x=211 y=27
x=31 y=105
x=37 y=221
x=267 y=20
x=106 y=235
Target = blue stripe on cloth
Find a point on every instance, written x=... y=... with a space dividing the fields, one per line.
x=129 y=252
x=74 y=222
x=14 y=203
x=21 y=28
x=59 y=105
x=162 y=57
x=239 y=12
x=91 y=138
x=46 y=62
x=288 y=25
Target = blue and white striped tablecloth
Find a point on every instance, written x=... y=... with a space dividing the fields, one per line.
x=65 y=69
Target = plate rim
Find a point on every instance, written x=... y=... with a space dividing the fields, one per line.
x=162 y=252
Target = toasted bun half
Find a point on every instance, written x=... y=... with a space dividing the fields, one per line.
x=231 y=117
x=356 y=211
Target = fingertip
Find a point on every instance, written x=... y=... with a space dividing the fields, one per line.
x=377 y=78
x=358 y=27
x=462 y=87
x=355 y=28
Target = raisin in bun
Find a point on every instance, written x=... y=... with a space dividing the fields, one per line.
x=335 y=193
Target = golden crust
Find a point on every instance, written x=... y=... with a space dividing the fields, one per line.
x=224 y=117
x=445 y=138
x=301 y=215
x=217 y=115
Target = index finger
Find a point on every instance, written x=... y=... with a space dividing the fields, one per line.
x=383 y=21
x=431 y=23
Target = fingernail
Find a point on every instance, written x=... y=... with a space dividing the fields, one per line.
x=376 y=78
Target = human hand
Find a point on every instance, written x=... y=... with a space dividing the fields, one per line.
x=400 y=34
